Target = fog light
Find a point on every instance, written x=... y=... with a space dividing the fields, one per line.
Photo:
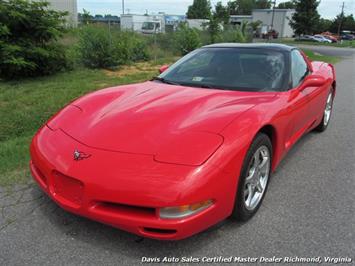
x=184 y=211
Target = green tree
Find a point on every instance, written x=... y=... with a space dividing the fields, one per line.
x=233 y=7
x=86 y=17
x=214 y=29
x=28 y=43
x=218 y=20
x=286 y=5
x=345 y=22
x=255 y=24
x=200 y=9
x=221 y=13
x=348 y=23
x=262 y=4
x=324 y=25
x=241 y=7
x=306 y=18
x=245 y=7
x=237 y=33
x=187 y=39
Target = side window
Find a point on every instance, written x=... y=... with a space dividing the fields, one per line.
x=299 y=68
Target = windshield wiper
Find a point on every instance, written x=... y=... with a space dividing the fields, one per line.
x=204 y=86
x=165 y=81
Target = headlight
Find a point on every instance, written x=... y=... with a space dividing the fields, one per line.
x=184 y=211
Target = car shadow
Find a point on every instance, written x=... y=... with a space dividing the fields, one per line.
x=113 y=239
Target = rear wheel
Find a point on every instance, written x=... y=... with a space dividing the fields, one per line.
x=327 y=113
x=254 y=178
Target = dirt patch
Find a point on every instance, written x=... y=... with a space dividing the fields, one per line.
x=133 y=69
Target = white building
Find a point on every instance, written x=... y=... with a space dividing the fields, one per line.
x=197 y=23
x=158 y=23
x=143 y=23
x=69 y=6
x=281 y=21
x=239 y=19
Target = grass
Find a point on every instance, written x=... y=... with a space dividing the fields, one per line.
x=319 y=57
x=26 y=105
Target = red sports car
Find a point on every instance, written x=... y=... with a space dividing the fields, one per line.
x=170 y=157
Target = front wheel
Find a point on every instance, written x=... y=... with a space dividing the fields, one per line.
x=254 y=178
x=327 y=113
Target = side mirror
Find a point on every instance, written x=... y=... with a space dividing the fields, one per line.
x=312 y=81
x=163 y=68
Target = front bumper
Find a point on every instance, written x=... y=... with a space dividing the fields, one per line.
x=126 y=190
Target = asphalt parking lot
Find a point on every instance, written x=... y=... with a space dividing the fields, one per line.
x=309 y=210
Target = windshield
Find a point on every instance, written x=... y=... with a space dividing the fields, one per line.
x=148 y=26
x=247 y=69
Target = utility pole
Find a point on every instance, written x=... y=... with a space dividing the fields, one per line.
x=273 y=15
x=270 y=33
x=341 y=18
x=122 y=6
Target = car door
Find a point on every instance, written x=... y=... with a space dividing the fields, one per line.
x=317 y=94
x=298 y=100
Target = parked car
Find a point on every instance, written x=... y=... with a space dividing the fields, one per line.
x=331 y=38
x=307 y=38
x=322 y=38
x=272 y=34
x=347 y=37
x=171 y=157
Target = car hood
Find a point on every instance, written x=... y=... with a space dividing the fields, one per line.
x=141 y=118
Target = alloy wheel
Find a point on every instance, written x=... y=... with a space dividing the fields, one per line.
x=328 y=109
x=258 y=176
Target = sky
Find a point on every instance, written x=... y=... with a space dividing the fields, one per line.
x=327 y=8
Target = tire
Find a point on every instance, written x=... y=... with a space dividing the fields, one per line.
x=323 y=125
x=244 y=206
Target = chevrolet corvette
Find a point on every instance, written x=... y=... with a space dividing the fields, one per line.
x=172 y=156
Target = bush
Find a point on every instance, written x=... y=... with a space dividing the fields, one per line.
x=233 y=35
x=100 y=47
x=95 y=48
x=162 y=46
x=165 y=41
x=238 y=33
x=28 y=39
x=214 y=28
x=205 y=37
x=187 y=39
x=137 y=47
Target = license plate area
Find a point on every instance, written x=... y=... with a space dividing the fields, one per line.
x=67 y=190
